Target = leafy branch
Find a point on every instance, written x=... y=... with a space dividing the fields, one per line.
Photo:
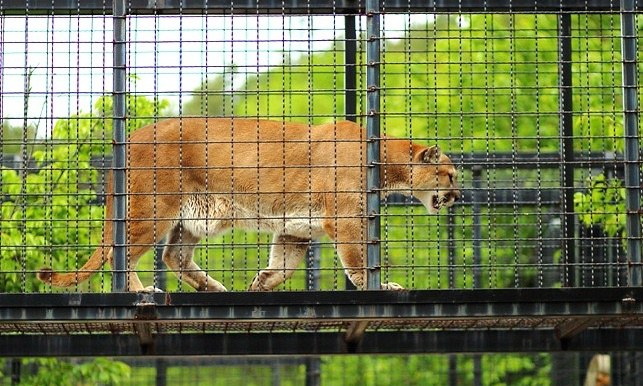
x=603 y=204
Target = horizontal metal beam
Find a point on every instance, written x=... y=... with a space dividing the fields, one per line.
x=467 y=161
x=533 y=160
x=314 y=323
x=316 y=343
x=33 y=7
x=324 y=305
x=220 y=361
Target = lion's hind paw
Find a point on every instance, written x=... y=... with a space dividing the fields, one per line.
x=390 y=286
x=152 y=289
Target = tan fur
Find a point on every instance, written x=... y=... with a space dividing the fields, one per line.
x=193 y=177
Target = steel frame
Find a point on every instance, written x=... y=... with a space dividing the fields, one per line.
x=312 y=6
x=320 y=322
x=315 y=344
x=286 y=306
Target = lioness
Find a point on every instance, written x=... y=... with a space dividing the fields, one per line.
x=192 y=177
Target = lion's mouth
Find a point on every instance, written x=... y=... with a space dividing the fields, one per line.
x=436 y=202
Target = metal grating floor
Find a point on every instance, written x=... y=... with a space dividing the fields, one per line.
x=316 y=323
x=508 y=323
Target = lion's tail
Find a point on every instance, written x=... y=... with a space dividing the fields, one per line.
x=92 y=265
x=101 y=255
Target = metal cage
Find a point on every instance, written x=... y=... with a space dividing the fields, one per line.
x=535 y=102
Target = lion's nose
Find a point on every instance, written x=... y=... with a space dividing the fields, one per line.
x=455 y=195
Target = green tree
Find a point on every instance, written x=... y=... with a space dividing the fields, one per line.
x=56 y=372
x=13 y=138
x=603 y=204
x=213 y=98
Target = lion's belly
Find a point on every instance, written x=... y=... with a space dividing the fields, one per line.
x=205 y=215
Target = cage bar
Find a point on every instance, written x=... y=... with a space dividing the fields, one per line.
x=350 y=69
x=119 y=165
x=566 y=148
x=312 y=6
x=632 y=144
x=373 y=144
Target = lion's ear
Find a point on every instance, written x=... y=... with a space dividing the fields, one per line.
x=431 y=155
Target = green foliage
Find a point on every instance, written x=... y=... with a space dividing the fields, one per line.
x=56 y=372
x=33 y=221
x=517 y=370
x=212 y=98
x=13 y=138
x=36 y=204
x=375 y=371
x=492 y=86
x=603 y=204
x=140 y=111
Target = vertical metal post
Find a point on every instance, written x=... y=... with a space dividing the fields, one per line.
x=119 y=282
x=450 y=249
x=477 y=370
x=477 y=228
x=373 y=143
x=453 y=370
x=313 y=266
x=566 y=369
x=276 y=373
x=313 y=371
x=313 y=364
x=161 y=372
x=160 y=274
x=16 y=366
x=631 y=132
x=566 y=132
x=350 y=83
x=350 y=69
x=612 y=248
x=477 y=256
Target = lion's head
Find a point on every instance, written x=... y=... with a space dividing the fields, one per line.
x=434 y=179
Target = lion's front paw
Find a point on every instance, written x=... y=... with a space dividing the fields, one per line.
x=390 y=286
x=258 y=285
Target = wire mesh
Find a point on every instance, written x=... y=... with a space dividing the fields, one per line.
x=528 y=106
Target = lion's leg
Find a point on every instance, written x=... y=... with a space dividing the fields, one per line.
x=178 y=255
x=285 y=255
x=139 y=244
x=348 y=237
x=142 y=235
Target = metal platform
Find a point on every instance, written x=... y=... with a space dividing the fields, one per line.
x=316 y=323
